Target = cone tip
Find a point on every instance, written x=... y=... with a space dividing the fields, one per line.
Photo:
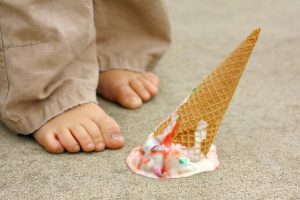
x=257 y=30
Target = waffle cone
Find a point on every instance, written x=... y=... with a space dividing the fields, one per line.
x=209 y=101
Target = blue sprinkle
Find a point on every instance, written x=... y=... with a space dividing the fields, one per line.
x=183 y=161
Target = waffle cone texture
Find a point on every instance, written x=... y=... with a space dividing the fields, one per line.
x=209 y=101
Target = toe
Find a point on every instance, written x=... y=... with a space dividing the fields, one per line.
x=95 y=133
x=138 y=86
x=152 y=78
x=128 y=98
x=111 y=132
x=53 y=145
x=68 y=141
x=83 y=138
x=49 y=141
x=150 y=87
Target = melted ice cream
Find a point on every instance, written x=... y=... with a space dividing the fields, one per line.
x=158 y=157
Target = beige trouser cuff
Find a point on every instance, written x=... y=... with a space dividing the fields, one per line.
x=138 y=64
x=131 y=34
x=38 y=116
x=48 y=60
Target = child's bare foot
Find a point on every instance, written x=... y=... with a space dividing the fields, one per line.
x=128 y=88
x=85 y=127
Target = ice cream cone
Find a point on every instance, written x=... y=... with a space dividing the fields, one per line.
x=211 y=98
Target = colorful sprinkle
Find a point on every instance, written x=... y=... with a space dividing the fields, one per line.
x=155 y=148
x=157 y=171
x=183 y=161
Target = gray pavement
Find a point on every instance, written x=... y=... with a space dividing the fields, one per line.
x=258 y=142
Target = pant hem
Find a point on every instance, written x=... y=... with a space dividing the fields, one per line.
x=34 y=120
x=137 y=64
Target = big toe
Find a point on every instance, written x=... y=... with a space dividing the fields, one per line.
x=111 y=132
x=127 y=97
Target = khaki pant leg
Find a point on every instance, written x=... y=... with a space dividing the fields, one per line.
x=48 y=60
x=131 y=34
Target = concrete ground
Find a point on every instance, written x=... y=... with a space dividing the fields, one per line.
x=258 y=142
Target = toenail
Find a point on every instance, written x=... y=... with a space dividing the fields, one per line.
x=135 y=100
x=100 y=146
x=117 y=136
x=90 y=146
x=146 y=94
x=76 y=148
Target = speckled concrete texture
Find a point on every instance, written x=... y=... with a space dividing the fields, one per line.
x=258 y=142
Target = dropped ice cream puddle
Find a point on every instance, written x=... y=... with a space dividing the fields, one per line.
x=158 y=157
